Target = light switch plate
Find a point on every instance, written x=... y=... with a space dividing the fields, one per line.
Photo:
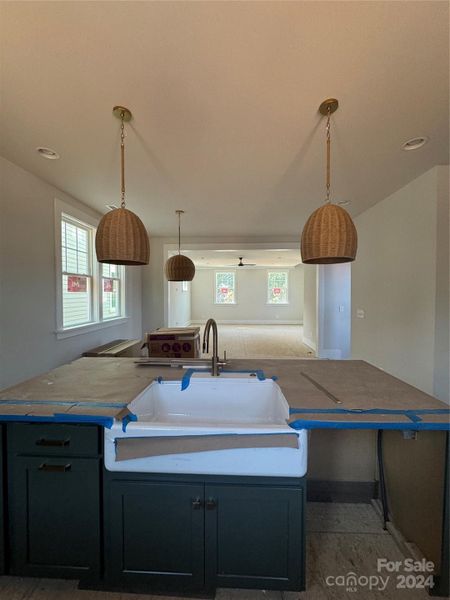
x=360 y=314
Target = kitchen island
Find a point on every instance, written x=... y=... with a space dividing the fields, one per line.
x=90 y=393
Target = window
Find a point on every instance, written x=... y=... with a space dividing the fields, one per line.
x=89 y=294
x=277 y=287
x=225 y=290
x=110 y=290
x=76 y=273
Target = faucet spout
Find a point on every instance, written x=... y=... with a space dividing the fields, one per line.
x=211 y=324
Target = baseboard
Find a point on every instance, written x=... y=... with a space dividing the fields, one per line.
x=309 y=343
x=341 y=491
x=331 y=354
x=248 y=322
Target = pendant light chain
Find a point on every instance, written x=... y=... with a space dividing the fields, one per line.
x=122 y=158
x=179 y=232
x=328 y=155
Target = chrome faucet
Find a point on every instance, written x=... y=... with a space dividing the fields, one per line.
x=215 y=354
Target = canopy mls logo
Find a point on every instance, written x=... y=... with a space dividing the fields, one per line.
x=406 y=574
x=352 y=582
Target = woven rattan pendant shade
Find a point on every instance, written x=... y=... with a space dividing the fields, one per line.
x=329 y=236
x=179 y=268
x=122 y=239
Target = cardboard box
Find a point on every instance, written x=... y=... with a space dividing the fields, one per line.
x=174 y=342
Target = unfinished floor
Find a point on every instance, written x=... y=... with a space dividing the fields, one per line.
x=342 y=539
x=262 y=341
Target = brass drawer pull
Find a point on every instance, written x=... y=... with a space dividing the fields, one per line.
x=53 y=443
x=55 y=468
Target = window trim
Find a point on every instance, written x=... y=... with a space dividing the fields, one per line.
x=64 y=209
x=267 y=287
x=215 y=288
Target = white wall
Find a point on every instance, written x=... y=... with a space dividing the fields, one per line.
x=154 y=310
x=400 y=281
x=179 y=303
x=251 y=295
x=334 y=311
x=310 y=306
x=28 y=343
x=441 y=385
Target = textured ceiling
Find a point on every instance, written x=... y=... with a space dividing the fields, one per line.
x=225 y=98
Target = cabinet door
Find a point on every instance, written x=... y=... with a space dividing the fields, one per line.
x=54 y=515
x=2 y=506
x=254 y=537
x=154 y=534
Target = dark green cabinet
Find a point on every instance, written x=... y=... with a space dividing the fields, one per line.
x=254 y=536
x=180 y=533
x=54 y=501
x=68 y=517
x=2 y=505
x=155 y=534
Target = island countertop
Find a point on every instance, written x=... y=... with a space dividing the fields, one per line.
x=320 y=393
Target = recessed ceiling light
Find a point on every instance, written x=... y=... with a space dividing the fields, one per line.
x=344 y=202
x=225 y=250
x=415 y=143
x=47 y=153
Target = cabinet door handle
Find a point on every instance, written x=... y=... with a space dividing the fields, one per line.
x=211 y=504
x=197 y=503
x=55 y=468
x=53 y=443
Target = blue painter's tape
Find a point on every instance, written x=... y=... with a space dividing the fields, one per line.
x=411 y=415
x=258 y=372
x=416 y=424
x=62 y=403
x=187 y=379
x=94 y=419
x=127 y=419
x=60 y=418
x=421 y=426
x=373 y=411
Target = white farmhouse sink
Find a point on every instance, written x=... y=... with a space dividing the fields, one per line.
x=213 y=401
x=234 y=405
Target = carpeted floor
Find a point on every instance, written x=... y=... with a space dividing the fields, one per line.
x=262 y=341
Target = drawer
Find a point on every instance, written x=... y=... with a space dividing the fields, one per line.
x=48 y=439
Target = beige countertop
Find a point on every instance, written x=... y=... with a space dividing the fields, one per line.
x=102 y=387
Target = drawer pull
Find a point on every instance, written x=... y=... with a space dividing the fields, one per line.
x=53 y=443
x=55 y=468
x=197 y=503
x=211 y=503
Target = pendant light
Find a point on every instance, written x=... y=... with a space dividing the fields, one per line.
x=179 y=267
x=121 y=237
x=329 y=235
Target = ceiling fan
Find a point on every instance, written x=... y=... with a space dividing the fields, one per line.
x=243 y=264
